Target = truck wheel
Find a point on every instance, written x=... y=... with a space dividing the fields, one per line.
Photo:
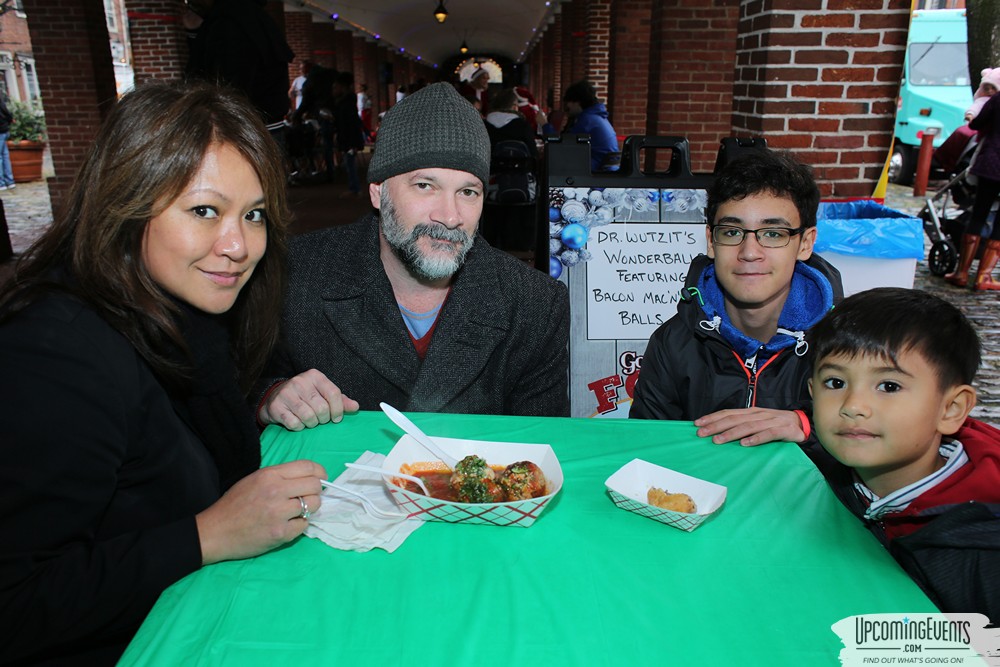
x=902 y=164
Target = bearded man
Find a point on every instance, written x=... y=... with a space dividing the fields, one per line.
x=409 y=305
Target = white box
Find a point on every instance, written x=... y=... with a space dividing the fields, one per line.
x=858 y=273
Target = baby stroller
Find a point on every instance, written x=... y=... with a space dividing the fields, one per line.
x=946 y=213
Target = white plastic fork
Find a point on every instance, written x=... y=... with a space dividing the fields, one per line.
x=385 y=473
x=411 y=429
x=370 y=506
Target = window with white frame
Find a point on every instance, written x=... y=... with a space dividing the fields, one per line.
x=111 y=15
x=29 y=78
x=8 y=80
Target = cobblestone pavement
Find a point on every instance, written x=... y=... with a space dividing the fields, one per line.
x=28 y=213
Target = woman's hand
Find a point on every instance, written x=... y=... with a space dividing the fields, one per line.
x=260 y=512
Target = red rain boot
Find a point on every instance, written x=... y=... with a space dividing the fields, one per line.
x=984 y=277
x=960 y=278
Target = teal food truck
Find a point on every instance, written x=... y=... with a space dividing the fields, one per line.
x=936 y=88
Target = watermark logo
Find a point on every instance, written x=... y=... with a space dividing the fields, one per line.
x=918 y=639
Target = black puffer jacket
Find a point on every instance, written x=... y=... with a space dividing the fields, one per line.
x=689 y=371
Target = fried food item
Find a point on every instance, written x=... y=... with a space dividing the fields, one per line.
x=675 y=502
x=522 y=480
x=473 y=481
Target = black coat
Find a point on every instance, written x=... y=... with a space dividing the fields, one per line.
x=688 y=372
x=499 y=345
x=99 y=487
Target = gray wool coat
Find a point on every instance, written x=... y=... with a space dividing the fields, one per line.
x=499 y=346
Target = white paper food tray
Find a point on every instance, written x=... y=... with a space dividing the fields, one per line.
x=629 y=485
x=517 y=513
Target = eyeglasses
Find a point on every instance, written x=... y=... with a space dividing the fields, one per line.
x=767 y=237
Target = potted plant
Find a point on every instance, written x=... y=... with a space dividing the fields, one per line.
x=26 y=142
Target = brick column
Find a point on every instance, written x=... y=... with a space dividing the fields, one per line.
x=695 y=54
x=598 y=36
x=77 y=80
x=299 y=34
x=823 y=84
x=552 y=57
x=629 y=85
x=324 y=45
x=159 y=45
x=343 y=47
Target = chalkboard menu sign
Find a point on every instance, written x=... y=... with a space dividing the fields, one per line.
x=635 y=276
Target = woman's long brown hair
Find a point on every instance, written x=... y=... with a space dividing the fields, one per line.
x=146 y=151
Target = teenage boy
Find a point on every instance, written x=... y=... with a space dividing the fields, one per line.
x=891 y=388
x=732 y=358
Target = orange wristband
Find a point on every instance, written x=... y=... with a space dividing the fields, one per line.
x=806 y=428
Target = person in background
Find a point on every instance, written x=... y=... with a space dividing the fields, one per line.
x=411 y=306
x=892 y=391
x=295 y=91
x=986 y=170
x=347 y=125
x=505 y=122
x=6 y=174
x=130 y=333
x=365 y=110
x=957 y=148
x=733 y=357
x=587 y=115
x=528 y=108
x=476 y=90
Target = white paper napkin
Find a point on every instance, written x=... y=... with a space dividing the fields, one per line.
x=343 y=522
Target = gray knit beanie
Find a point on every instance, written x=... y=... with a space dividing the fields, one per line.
x=433 y=127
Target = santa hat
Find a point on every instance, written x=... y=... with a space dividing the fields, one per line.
x=478 y=73
x=990 y=76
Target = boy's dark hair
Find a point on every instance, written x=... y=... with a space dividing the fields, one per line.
x=763 y=170
x=582 y=92
x=885 y=321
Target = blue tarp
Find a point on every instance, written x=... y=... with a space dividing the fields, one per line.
x=868 y=229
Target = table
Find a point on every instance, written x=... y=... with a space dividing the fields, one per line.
x=760 y=583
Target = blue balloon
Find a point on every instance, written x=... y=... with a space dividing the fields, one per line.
x=555 y=267
x=574 y=235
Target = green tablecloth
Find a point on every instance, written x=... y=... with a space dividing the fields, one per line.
x=588 y=584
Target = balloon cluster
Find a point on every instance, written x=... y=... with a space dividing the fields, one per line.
x=573 y=212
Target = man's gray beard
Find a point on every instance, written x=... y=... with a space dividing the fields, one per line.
x=404 y=244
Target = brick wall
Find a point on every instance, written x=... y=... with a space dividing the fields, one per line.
x=696 y=50
x=159 y=44
x=598 y=53
x=324 y=44
x=628 y=92
x=822 y=82
x=344 y=48
x=299 y=35
x=76 y=76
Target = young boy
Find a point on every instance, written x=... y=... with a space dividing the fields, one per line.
x=891 y=398
x=732 y=358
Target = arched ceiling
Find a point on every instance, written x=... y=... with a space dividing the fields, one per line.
x=504 y=29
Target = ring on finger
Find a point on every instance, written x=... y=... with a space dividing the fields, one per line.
x=305 y=513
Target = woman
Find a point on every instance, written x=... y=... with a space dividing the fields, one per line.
x=986 y=169
x=505 y=122
x=128 y=337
